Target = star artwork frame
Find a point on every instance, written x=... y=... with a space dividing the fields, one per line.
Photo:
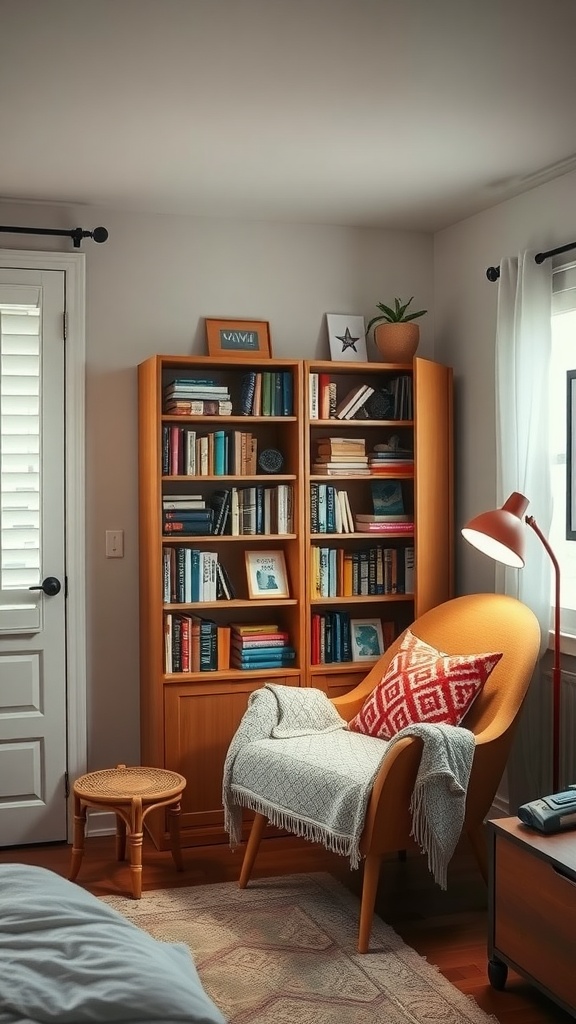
x=347 y=338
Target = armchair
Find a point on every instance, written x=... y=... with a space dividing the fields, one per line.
x=465 y=625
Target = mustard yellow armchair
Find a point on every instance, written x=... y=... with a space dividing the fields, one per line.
x=466 y=625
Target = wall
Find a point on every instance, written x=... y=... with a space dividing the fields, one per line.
x=148 y=288
x=465 y=320
x=465 y=312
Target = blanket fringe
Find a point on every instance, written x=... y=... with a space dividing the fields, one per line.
x=280 y=818
x=427 y=840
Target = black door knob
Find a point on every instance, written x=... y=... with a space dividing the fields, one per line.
x=51 y=586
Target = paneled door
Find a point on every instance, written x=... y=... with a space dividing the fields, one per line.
x=33 y=727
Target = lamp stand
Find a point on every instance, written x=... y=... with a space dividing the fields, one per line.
x=530 y=521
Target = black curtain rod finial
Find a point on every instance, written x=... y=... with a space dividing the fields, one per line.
x=76 y=234
x=493 y=273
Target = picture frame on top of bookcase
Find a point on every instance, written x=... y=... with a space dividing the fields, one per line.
x=238 y=339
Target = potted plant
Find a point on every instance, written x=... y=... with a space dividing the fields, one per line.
x=396 y=336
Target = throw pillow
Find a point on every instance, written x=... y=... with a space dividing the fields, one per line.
x=423 y=685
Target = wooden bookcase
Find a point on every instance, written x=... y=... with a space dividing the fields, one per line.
x=427 y=487
x=188 y=718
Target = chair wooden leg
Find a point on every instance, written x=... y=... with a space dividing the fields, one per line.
x=369 y=888
x=256 y=833
x=477 y=836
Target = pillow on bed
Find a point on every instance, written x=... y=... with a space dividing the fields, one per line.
x=66 y=956
x=423 y=685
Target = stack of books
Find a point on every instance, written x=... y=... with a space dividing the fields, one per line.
x=266 y=393
x=353 y=402
x=388 y=514
x=259 y=646
x=341 y=456
x=391 y=456
x=189 y=520
x=197 y=397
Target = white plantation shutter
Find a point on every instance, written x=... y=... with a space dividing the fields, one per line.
x=20 y=477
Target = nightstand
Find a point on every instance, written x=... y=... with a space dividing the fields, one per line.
x=532 y=909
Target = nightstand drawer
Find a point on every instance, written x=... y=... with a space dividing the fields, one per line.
x=535 y=916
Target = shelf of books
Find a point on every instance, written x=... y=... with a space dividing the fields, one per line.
x=379 y=520
x=221 y=561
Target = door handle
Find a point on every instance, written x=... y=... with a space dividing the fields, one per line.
x=51 y=586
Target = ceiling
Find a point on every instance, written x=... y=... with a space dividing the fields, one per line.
x=405 y=114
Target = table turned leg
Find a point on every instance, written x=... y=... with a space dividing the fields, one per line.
x=78 y=840
x=135 y=840
x=174 y=829
x=120 y=837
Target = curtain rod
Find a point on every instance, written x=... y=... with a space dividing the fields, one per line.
x=77 y=234
x=493 y=273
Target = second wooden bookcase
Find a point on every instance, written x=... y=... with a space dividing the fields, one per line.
x=403 y=432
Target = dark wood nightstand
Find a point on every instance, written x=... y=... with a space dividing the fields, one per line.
x=532 y=909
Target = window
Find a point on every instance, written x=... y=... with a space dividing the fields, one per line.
x=563 y=359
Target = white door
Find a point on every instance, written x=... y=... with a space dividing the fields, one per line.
x=32 y=558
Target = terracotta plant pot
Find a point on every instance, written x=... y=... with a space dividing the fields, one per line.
x=397 y=343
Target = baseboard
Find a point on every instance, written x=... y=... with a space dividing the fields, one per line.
x=100 y=823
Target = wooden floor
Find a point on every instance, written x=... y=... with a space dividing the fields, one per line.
x=448 y=928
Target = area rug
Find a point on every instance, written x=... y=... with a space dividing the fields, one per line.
x=283 y=951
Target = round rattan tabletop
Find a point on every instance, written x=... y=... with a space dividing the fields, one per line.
x=122 y=783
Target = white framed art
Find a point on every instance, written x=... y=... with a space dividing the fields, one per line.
x=347 y=337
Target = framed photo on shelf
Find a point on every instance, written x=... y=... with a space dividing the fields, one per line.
x=347 y=337
x=267 y=575
x=238 y=339
x=367 y=639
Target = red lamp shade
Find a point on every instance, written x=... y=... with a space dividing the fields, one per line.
x=500 y=533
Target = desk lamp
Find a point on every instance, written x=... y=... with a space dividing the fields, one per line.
x=500 y=534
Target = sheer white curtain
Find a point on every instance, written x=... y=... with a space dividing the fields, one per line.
x=523 y=345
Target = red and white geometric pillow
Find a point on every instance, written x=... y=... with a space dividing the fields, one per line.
x=423 y=685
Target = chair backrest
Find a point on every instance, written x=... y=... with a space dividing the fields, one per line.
x=474 y=624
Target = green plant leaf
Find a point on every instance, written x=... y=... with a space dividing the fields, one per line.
x=412 y=316
x=388 y=312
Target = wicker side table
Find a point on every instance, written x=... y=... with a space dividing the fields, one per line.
x=131 y=793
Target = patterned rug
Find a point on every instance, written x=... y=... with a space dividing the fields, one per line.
x=283 y=951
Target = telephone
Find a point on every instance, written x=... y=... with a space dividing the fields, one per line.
x=554 y=813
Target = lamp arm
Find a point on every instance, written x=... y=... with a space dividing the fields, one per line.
x=530 y=521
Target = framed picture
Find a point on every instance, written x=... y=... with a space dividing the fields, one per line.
x=347 y=338
x=238 y=339
x=367 y=639
x=267 y=576
x=571 y=455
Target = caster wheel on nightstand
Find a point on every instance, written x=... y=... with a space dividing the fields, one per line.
x=497 y=974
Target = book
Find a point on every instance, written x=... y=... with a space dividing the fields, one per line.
x=245 y=628
x=384 y=527
x=399 y=517
x=350 y=400
x=260 y=640
x=358 y=405
x=387 y=497
x=199 y=407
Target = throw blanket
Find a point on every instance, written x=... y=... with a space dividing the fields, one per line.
x=325 y=798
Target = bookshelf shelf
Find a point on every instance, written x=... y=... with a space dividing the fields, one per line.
x=279 y=602
x=362 y=599
x=224 y=538
x=232 y=675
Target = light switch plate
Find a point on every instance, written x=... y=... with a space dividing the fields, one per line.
x=114 y=543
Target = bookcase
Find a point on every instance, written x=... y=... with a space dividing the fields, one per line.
x=229 y=486
x=192 y=451
x=377 y=437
